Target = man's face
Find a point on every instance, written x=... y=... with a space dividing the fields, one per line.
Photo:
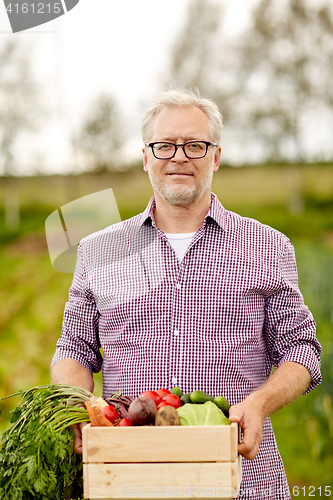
x=181 y=181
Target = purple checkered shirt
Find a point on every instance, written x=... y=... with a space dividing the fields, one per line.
x=217 y=321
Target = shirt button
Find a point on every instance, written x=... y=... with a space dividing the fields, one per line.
x=174 y=380
x=178 y=286
x=176 y=332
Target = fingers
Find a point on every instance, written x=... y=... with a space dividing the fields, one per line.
x=249 y=448
x=248 y=453
x=235 y=414
x=251 y=424
x=77 y=443
x=252 y=437
x=83 y=424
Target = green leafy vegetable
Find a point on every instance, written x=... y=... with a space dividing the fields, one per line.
x=201 y=414
x=37 y=460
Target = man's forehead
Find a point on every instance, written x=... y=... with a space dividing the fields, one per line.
x=181 y=121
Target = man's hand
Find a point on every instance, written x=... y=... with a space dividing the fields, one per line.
x=286 y=384
x=69 y=371
x=77 y=428
x=250 y=419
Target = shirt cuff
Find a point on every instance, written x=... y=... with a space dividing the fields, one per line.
x=304 y=355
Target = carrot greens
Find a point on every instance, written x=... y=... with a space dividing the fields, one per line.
x=37 y=460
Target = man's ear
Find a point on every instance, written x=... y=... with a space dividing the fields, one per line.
x=145 y=160
x=217 y=157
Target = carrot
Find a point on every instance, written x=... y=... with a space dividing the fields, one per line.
x=91 y=414
x=102 y=420
x=96 y=417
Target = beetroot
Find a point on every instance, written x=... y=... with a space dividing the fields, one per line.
x=142 y=411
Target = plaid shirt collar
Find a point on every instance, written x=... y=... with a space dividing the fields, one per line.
x=216 y=213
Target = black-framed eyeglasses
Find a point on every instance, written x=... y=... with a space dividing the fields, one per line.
x=192 y=149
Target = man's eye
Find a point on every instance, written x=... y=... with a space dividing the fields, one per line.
x=163 y=147
x=195 y=146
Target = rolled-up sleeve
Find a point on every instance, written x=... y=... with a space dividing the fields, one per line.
x=289 y=325
x=79 y=338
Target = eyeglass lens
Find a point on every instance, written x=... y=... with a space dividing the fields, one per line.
x=191 y=149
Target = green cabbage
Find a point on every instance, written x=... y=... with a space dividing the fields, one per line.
x=202 y=414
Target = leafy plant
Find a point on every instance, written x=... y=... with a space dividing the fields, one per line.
x=202 y=414
x=37 y=460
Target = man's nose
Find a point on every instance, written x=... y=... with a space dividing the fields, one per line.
x=180 y=155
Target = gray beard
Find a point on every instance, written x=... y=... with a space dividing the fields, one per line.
x=180 y=197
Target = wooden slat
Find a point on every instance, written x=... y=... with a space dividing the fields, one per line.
x=237 y=474
x=170 y=480
x=85 y=481
x=216 y=443
x=233 y=442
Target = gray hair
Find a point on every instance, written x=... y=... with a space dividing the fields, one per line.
x=183 y=98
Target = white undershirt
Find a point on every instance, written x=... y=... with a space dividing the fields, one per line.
x=180 y=243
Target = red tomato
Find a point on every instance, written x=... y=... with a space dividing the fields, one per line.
x=110 y=413
x=164 y=403
x=152 y=395
x=163 y=392
x=173 y=400
x=125 y=422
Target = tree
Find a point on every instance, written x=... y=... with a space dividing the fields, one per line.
x=19 y=100
x=100 y=136
x=193 y=50
x=203 y=57
x=273 y=82
x=286 y=75
x=20 y=109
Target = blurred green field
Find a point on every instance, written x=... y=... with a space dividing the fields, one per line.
x=297 y=200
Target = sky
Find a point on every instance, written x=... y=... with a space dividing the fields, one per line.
x=118 y=46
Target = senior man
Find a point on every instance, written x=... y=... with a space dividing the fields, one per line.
x=190 y=294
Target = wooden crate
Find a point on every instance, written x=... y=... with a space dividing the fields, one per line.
x=161 y=462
